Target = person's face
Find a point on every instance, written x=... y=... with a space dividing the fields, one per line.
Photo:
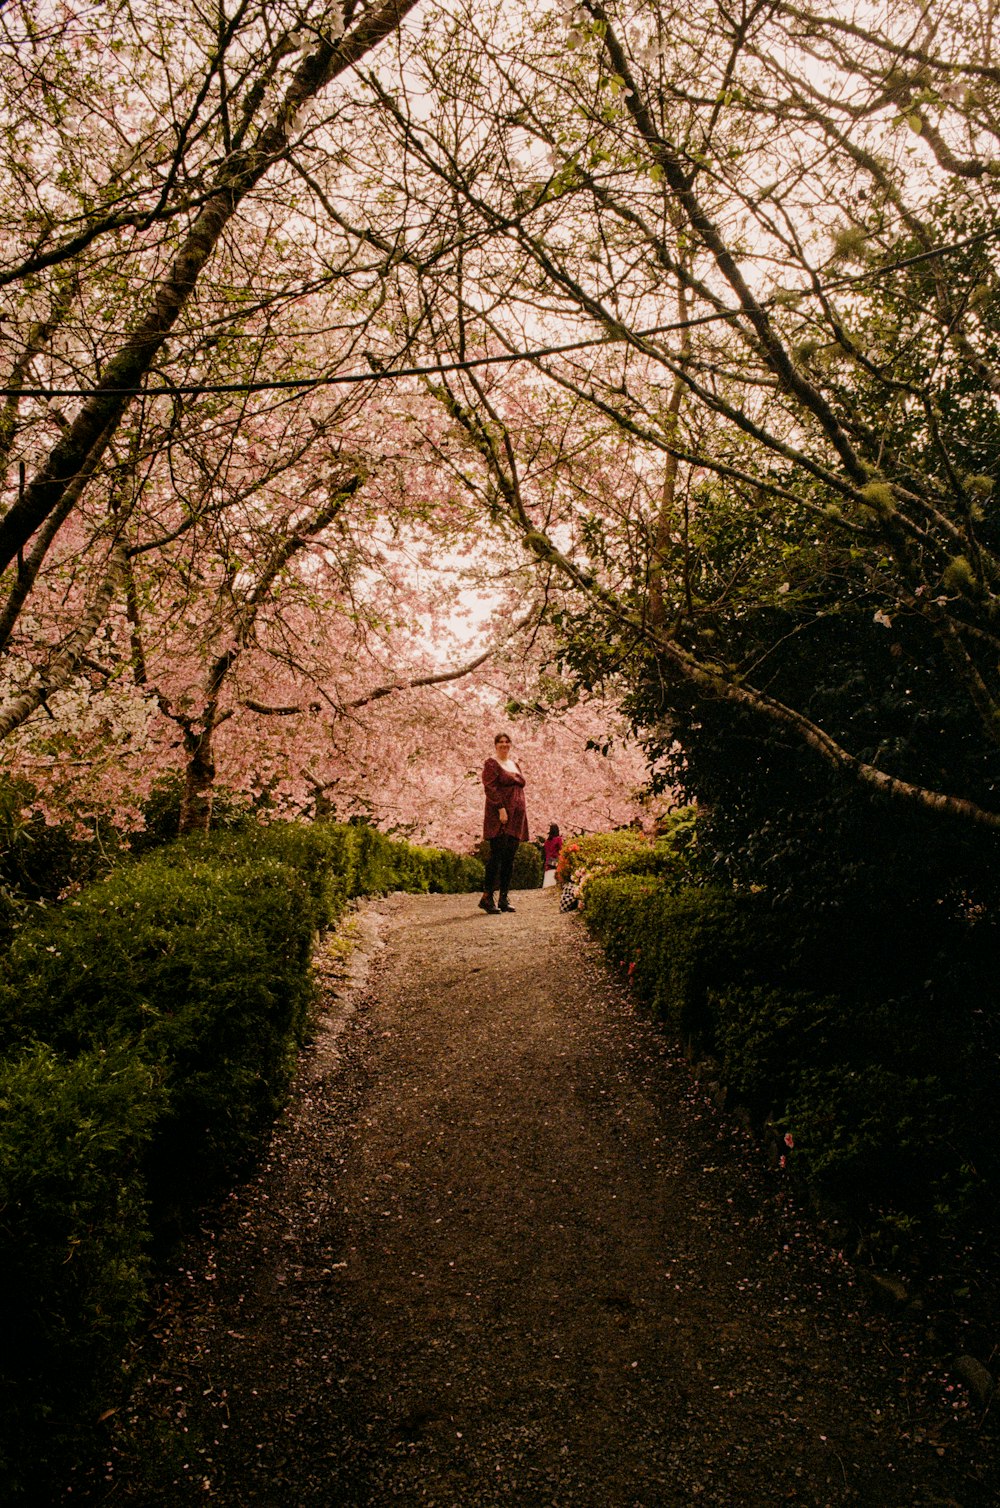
x=502 y=747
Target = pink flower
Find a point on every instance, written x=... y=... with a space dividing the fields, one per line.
x=789 y=1139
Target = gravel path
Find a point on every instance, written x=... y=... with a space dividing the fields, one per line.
x=504 y=1253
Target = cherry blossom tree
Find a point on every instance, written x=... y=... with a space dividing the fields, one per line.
x=146 y=150
x=749 y=249
x=773 y=226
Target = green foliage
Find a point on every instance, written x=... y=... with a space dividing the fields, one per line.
x=682 y=947
x=149 y=1026
x=872 y=1135
x=198 y=958
x=442 y=873
x=853 y=632
x=888 y=1101
x=338 y=862
x=323 y=856
x=592 y=853
x=199 y=967
x=161 y=812
x=72 y=1245
x=672 y=855
x=40 y=860
x=885 y=1082
x=847 y=610
x=765 y=1036
x=528 y=871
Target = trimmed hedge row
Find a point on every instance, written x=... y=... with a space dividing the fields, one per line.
x=682 y=947
x=74 y=1247
x=148 y=1031
x=39 y=860
x=887 y=1097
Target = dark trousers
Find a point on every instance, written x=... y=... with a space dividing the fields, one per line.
x=500 y=864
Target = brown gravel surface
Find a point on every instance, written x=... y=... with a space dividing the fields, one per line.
x=504 y=1253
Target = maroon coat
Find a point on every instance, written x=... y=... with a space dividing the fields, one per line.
x=504 y=789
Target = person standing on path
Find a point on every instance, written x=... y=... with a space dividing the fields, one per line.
x=550 y=855
x=505 y=823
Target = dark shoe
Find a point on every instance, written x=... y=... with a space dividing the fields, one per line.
x=505 y=904
x=486 y=903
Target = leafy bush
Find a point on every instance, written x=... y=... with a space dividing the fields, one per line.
x=200 y=968
x=443 y=873
x=681 y=948
x=765 y=1036
x=598 y=852
x=888 y=1098
x=870 y=1134
x=72 y=1245
x=150 y=1025
x=528 y=871
x=323 y=857
x=671 y=856
x=39 y=860
x=342 y=861
x=161 y=813
x=888 y=1102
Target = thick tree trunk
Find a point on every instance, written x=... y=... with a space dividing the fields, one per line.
x=199 y=784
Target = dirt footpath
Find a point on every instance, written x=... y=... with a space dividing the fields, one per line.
x=504 y=1253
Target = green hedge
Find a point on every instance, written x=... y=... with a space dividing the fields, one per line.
x=73 y=1238
x=682 y=947
x=200 y=968
x=888 y=1100
x=340 y=862
x=434 y=870
x=40 y=860
x=149 y=1027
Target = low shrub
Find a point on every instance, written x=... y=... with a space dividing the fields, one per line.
x=871 y=1135
x=149 y=1027
x=528 y=868
x=443 y=873
x=39 y=859
x=323 y=856
x=599 y=852
x=888 y=1102
x=887 y=1098
x=671 y=856
x=766 y=1036
x=201 y=968
x=73 y=1236
x=681 y=947
x=340 y=862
